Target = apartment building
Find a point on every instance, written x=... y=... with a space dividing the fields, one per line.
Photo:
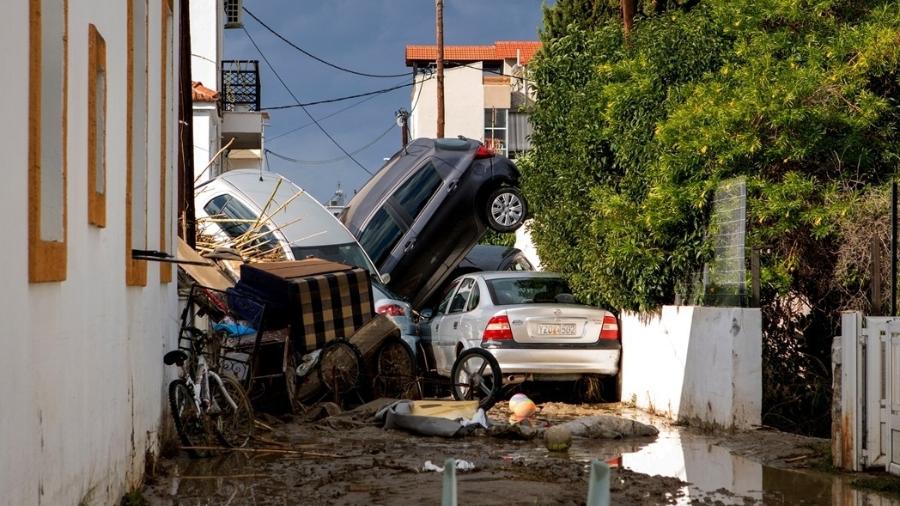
x=486 y=92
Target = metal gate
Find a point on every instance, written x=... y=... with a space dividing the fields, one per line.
x=866 y=431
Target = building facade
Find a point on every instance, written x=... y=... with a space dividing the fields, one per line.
x=89 y=143
x=486 y=93
x=227 y=114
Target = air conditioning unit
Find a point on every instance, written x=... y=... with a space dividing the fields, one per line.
x=234 y=14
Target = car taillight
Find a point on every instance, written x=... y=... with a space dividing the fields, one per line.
x=391 y=310
x=497 y=330
x=610 y=328
x=483 y=152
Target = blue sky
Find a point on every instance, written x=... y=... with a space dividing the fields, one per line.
x=364 y=35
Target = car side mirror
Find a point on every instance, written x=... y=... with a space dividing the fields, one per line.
x=385 y=278
x=427 y=313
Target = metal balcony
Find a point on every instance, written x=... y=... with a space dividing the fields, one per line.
x=240 y=85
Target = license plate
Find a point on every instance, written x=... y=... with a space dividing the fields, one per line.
x=556 y=329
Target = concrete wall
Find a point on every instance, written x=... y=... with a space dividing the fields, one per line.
x=81 y=373
x=700 y=364
x=463 y=104
x=206 y=141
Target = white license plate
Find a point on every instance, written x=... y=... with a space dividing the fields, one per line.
x=556 y=329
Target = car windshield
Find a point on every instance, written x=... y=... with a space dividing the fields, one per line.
x=508 y=291
x=348 y=253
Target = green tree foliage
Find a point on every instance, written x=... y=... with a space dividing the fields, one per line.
x=583 y=14
x=802 y=97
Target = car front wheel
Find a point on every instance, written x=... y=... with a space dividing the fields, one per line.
x=505 y=209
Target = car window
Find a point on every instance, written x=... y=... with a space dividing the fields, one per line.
x=474 y=299
x=236 y=220
x=506 y=291
x=445 y=300
x=415 y=192
x=380 y=236
x=349 y=253
x=461 y=297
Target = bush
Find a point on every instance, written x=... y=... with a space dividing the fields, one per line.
x=632 y=137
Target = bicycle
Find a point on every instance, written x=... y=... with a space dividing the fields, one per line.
x=204 y=404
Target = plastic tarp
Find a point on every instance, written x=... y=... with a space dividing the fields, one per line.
x=399 y=416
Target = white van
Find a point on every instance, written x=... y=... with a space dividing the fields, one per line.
x=295 y=223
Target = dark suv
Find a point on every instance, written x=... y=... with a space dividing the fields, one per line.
x=419 y=216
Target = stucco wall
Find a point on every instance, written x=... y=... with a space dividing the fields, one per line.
x=206 y=41
x=702 y=364
x=463 y=104
x=81 y=375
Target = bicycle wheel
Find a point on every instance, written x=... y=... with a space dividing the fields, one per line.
x=476 y=375
x=395 y=370
x=233 y=426
x=340 y=367
x=189 y=423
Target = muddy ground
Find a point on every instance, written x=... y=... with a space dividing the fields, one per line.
x=347 y=459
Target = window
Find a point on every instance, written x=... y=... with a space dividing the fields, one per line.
x=136 y=144
x=474 y=299
x=165 y=146
x=380 y=236
x=507 y=291
x=96 y=168
x=47 y=141
x=445 y=300
x=462 y=296
x=495 y=121
x=413 y=195
x=492 y=68
x=349 y=254
x=236 y=220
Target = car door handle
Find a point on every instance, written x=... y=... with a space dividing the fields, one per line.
x=409 y=245
x=451 y=186
x=455 y=325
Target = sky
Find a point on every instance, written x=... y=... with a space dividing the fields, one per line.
x=367 y=36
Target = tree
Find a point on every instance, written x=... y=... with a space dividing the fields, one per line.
x=631 y=140
x=583 y=14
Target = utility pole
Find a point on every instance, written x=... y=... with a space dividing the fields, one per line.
x=403 y=122
x=439 y=29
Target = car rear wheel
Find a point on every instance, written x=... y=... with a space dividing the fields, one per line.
x=505 y=209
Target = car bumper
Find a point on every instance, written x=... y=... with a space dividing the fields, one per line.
x=550 y=362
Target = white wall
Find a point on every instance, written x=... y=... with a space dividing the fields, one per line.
x=701 y=364
x=206 y=141
x=81 y=374
x=463 y=104
x=207 y=18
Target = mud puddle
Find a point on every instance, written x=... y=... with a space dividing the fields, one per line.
x=712 y=474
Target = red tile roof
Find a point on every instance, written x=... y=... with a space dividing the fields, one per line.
x=200 y=93
x=500 y=50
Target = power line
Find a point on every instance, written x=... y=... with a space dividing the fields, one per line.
x=314 y=57
x=340 y=99
x=336 y=159
x=332 y=139
x=335 y=113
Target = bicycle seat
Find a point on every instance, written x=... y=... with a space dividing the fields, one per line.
x=175 y=357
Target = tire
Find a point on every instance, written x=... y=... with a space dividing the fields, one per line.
x=505 y=209
x=482 y=384
x=340 y=366
x=395 y=370
x=611 y=388
x=233 y=426
x=189 y=422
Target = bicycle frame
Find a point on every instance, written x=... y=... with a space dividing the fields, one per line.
x=202 y=398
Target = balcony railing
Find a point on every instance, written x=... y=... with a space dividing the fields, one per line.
x=240 y=85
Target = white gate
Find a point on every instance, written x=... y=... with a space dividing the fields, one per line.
x=867 y=426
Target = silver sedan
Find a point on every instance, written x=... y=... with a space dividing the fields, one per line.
x=529 y=322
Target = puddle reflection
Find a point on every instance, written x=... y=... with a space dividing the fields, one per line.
x=716 y=474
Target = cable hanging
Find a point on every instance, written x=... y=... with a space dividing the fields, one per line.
x=314 y=57
x=341 y=99
x=299 y=104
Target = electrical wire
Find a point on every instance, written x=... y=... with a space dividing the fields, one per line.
x=335 y=113
x=291 y=93
x=338 y=158
x=339 y=99
x=314 y=57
